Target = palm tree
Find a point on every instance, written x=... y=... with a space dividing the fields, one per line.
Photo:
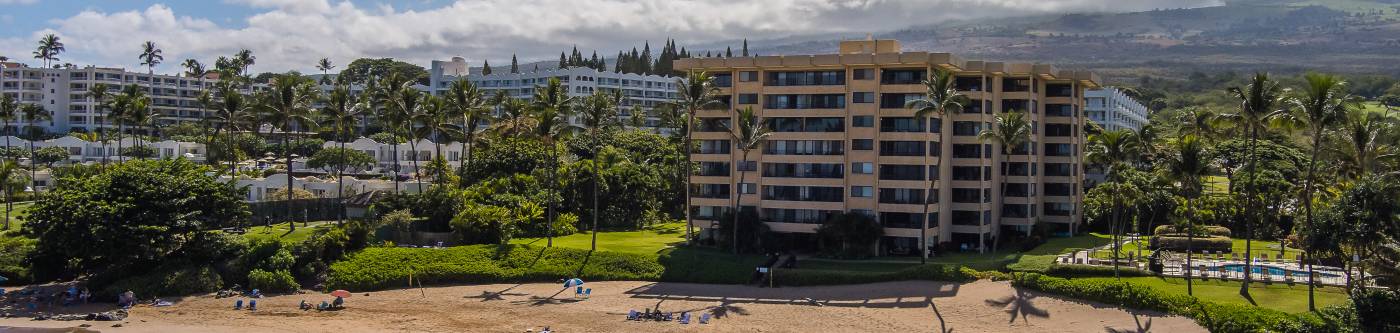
x=468 y=102
x=150 y=57
x=341 y=111
x=553 y=106
x=393 y=114
x=752 y=130
x=599 y=113
x=9 y=172
x=406 y=103
x=99 y=94
x=941 y=98
x=696 y=92
x=243 y=60
x=1258 y=102
x=288 y=105
x=325 y=66
x=1188 y=168
x=1362 y=141
x=515 y=113
x=49 y=49
x=232 y=108
x=33 y=113
x=1010 y=131
x=1113 y=149
x=121 y=107
x=1321 y=105
x=9 y=109
x=436 y=122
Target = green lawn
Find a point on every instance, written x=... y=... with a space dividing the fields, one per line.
x=649 y=241
x=1040 y=258
x=1278 y=296
x=1259 y=246
x=281 y=232
x=17 y=213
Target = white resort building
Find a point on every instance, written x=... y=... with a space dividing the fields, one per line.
x=1114 y=110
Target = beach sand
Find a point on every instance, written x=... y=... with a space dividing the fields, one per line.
x=910 y=306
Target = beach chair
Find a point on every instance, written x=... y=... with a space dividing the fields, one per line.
x=238 y=305
x=667 y=316
x=704 y=318
x=252 y=305
x=578 y=291
x=632 y=314
x=588 y=293
x=685 y=318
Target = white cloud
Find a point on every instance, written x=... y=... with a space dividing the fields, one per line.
x=293 y=34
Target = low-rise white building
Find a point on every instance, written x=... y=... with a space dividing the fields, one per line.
x=82 y=151
x=322 y=187
x=384 y=154
x=1111 y=108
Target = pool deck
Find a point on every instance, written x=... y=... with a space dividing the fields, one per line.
x=1217 y=266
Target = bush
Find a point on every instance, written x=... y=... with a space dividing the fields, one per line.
x=1211 y=230
x=276 y=281
x=929 y=272
x=13 y=251
x=1092 y=271
x=1376 y=310
x=1178 y=243
x=706 y=265
x=1213 y=316
x=177 y=281
x=849 y=235
x=381 y=268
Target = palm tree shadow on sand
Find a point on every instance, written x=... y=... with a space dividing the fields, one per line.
x=487 y=295
x=942 y=325
x=1142 y=327
x=1019 y=305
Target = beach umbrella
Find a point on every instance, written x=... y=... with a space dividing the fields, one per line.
x=341 y=293
x=574 y=282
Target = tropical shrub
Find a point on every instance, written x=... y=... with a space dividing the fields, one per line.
x=279 y=281
x=1091 y=271
x=176 y=280
x=849 y=235
x=1201 y=230
x=382 y=268
x=1178 y=243
x=929 y=272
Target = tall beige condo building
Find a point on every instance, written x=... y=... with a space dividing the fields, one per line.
x=843 y=142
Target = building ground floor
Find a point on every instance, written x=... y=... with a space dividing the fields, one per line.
x=895 y=242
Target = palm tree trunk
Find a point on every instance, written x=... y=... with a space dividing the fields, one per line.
x=340 y=183
x=1308 y=206
x=1249 y=211
x=1006 y=159
x=689 y=220
x=417 y=172
x=596 y=177
x=287 y=150
x=554 y=190
x=467 y=150
x=437 y=150
x=397 y=167
x=1190 y=238
x=738 y=197
x=923 y=224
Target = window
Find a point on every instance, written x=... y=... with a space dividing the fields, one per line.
x=803 y=170
x=1011 y=84
x=714 y=147
x=967 y=195
x=902 y=220
x=1059 y=169
x=809 y=216
x=967 y=173
x=805 y=78
x=748 y=166
x=1058 y=189
x=967 y=151
x=1058 y=90
x=713 y=169
x=896 y=100
x=1059 y=110
x=902 y=76
x=723 y=80
x=968 y=83
x=1015 y=211
x=864 y=168
x=1015 y=168
x=805 y=101
x=802 y=147
x=714 y=125
x=1019 y=190
x=1059 y=130
x=862 y=121
x=862 y=144
x=901 y=124
x=1017 y=105
x=967 y=217
x=863 y=191
x=902 y=196
x=748 y=188
x=1059 y=149
x=810 y=124
x=748 y=99
x=862 y=74
x=862 y=97
x=803 y=193
x=901 y=172
x=710 y=191
x=748 y=76
x=966 y=128
x=1058 y=209
x=901 y=148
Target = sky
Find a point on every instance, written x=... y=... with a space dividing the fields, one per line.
x=294 y=34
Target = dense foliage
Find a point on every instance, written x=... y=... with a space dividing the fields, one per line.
x=381 y=268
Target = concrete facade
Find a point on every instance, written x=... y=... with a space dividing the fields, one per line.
x=1114 y=110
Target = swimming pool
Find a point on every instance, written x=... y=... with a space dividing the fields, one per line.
x=1259 y=269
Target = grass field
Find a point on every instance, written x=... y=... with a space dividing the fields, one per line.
x=1259 y=247
x=19 y=211
x=1040 y=258
x=1277 y=296
x=286 y=235
x=650 y=241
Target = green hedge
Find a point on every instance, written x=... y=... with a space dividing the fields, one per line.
x=167 y=282
x=1208 y=230
x=815 y=277
x=275 y=282
x=382 y=268
x=1092 y=271
x=702 y=265
x=1175 y=243
x=1215 y=317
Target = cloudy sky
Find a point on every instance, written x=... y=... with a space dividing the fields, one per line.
x=293 y=34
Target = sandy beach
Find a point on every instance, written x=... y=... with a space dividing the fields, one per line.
x=911 y=306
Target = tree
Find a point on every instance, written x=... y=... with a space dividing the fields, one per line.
x=10 y=172
x=941 y=98
x=341 y=111
x=392 y=112
x=1188 y=168
x=49 y=48
x=325 y=66
x=514 y=65
x=33 y=113
x=406 y=104
x=364 y=70
x=129 y=218
x=435 y=121
x=150 y=57
x=1321 y=105
x=231 y=109
x=243 y=60
x=552 y=107
x=1010 y=132
x=599 y=113
x=1258 y=103
x=855 y=234
x=138 y=152
x=485 y=67
x=1113 y=149
x=469 y=103
x=752 y=130
x=696 y=92
x=9 y=110
x=50 y=155
x=288 y=104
